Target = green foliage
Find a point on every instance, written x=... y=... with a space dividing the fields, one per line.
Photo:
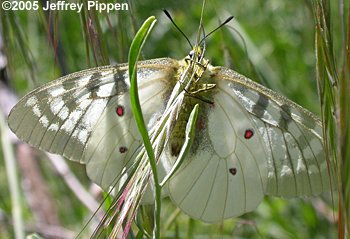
x=270 y=41
x=333 y=83
x=134 y=54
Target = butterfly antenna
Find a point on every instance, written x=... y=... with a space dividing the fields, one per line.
x=204 y=45
x=200 y=24
x=222 y=24
x=171 y=19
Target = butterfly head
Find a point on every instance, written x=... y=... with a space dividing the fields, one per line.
x=196 y=55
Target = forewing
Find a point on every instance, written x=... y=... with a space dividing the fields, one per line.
x=86 y=116
x=292 y=136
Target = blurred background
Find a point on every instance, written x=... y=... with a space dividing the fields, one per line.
x=271 y=42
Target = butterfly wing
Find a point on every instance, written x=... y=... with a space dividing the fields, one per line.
x=86 y=116
x=255 y=142
x=297 y=163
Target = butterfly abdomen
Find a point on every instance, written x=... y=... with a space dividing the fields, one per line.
x=204 y=99
x=178 y=134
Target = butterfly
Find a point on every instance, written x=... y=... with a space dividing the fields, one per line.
x=248 y=142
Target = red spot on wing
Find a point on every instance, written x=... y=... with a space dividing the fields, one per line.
x=123 y=149
x=248 y=134
x=120 y=110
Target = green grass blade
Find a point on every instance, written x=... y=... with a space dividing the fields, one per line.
x=190 y=134
x=333 y=85
x=93 y=33
x=12 y=175
x=135 y=51
x=344 y=132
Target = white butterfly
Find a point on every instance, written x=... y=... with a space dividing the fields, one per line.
x=249 y=141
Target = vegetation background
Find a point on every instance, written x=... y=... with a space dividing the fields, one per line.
x=272 y=42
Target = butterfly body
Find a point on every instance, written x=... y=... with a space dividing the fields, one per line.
x=249 y=141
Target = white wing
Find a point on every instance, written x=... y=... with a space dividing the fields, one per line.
x=297 y=163
x=86 y=116
x=252 y=142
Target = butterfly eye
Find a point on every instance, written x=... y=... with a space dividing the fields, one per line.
x=248 y=134
x=120 y=110
x=191 y=54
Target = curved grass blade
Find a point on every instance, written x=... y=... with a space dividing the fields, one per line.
x=190 y=134
x=134 y=54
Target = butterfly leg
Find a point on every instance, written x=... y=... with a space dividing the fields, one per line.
x=196 y=93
